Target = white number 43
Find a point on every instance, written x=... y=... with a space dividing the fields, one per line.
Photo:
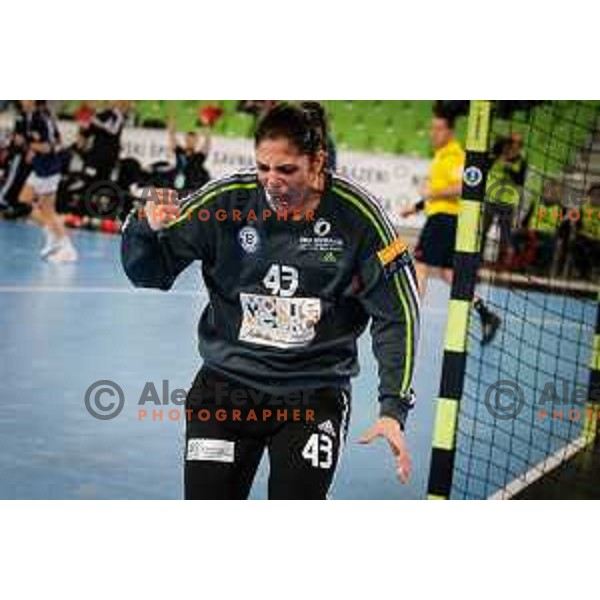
x=319 y=451
x=281 y=280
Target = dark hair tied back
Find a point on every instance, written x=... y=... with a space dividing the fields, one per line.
x=304 y=125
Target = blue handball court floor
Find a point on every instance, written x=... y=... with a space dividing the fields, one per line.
x=64 y=327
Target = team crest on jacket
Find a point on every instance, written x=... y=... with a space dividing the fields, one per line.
x=249 y=239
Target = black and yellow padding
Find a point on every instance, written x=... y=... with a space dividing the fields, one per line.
x=466 y=263
x=590 y=427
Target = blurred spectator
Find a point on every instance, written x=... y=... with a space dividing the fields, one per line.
x=504 y=191
x=586 y=245
x=74 y=181
x=190 y=171
x=105 y=129
x=16 y=168
x=542 y=238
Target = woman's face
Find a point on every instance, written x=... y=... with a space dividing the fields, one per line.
x=287 y=175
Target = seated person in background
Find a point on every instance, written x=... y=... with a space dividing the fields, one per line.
x=586 y=245
x=190 y=172
x=536 y=242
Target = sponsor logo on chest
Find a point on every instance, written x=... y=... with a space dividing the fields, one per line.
x=321 y=240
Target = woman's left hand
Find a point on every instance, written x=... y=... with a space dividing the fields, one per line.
x=390 y=429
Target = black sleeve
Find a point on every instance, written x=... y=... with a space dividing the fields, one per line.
x=389 y=295
x=103 y=116
x=155 y=259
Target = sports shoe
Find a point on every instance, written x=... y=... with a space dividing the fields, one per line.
x=64 y=253
x=52 y=245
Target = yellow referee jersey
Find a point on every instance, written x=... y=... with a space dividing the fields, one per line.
x=446 y=170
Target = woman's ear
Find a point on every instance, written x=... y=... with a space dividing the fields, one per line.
x=317 y=170
x=319 y=161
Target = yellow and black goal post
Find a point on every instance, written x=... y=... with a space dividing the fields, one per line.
x=466 y=264
x=518 y=418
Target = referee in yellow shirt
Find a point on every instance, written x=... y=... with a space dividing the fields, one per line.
x=440 y=198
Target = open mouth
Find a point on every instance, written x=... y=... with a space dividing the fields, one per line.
x=288 y=199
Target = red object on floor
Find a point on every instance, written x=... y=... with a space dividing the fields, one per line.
x=71 y=220
x=110 y=226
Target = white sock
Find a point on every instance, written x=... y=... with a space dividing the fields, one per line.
x=50 y=241
x=50 y=237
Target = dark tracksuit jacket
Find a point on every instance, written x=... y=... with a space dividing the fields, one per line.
x=288 y=299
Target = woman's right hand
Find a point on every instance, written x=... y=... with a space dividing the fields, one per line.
x=162 y=207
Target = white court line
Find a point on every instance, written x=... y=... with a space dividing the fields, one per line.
x=542 y=468
x=23 y=289
x=55 y=289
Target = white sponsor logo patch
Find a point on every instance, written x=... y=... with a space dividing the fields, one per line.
x=321 y=244
x=249 y=239
x=278 y=322
x=209 y=449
